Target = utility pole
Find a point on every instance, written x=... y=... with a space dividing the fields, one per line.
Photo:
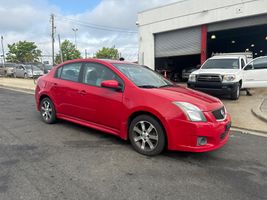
x=3 y=50
x=53 y=38
x=75 y=36
x=60 y=50
x=85 y=53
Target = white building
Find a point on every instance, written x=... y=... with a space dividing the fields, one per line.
x=186 y=33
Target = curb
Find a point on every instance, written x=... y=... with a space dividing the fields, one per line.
x=236 y=128
x=26 y=90
x=258 y=113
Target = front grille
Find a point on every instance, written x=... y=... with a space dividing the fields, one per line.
x=219 y=114
x=209 y=78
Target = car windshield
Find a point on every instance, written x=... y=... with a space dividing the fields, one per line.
x=31 y=67
x=221 y=64
x=143 y=76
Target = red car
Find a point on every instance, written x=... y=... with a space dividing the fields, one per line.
x=133 y=102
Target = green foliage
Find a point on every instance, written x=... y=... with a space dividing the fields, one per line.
x=69 y=52
x=108 y=53
x=23 y=52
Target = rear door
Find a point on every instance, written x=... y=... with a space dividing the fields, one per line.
x=255 y=73
x=65 y=90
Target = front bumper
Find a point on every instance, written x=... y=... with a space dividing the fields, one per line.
x=183 y=134
x=214 y=87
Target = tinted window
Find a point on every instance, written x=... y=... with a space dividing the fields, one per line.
x=221 y=64
x=71 y=72
x=260 y=63
x=95 y=73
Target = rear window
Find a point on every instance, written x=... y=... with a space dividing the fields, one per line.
x=221 y=64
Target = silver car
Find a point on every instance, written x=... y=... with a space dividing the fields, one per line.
x=28 y=71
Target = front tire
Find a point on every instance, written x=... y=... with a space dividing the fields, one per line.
x=147 y=135
x=47 y=111
x=236 y=94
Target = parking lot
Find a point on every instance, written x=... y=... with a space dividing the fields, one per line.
x=67 y=161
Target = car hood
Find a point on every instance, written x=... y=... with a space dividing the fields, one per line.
x=182 y=94
x=216 y=71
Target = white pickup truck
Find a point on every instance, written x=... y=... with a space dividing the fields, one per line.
x=227 y=74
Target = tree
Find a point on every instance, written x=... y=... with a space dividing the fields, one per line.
x=69 y=52
x=108 y=53
x=23 y=52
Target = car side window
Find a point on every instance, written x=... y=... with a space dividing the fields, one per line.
x=71 y=72
x=58 y=72
x=260 y=63
x=95 y=73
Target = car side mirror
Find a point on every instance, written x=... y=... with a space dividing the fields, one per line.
x=248 y=67
x=112 y=84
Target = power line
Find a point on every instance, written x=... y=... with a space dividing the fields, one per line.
x=98 y=27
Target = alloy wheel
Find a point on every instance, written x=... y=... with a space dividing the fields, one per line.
x=46 y=110
x=145 y=136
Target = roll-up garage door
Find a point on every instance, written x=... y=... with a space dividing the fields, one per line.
x=178 y=43
x=238 y=23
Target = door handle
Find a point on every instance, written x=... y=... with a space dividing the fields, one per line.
x=82 y=92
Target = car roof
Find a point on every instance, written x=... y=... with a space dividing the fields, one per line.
x=227 y=57
x=99 y=60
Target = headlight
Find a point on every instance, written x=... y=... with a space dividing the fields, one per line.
x=229 y=77
x=192 y=78
x=192 y=112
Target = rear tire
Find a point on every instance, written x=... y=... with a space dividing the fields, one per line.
x=147 y=135
x=236 y=94
x=47 y=111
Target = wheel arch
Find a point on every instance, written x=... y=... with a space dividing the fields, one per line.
x=42 y=97
x=241 y=83
x=155 y=116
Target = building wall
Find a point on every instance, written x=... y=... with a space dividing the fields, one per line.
x=189 y=13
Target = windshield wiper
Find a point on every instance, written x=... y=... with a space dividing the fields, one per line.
x=168 y=85
x=147 y=86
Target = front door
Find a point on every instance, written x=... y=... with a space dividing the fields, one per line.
x=255 y=73
x=20 y=70
x=101 y=105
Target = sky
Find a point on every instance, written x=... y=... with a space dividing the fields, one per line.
x=100 y=23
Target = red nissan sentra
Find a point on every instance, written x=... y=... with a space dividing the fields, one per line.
x=133 y=102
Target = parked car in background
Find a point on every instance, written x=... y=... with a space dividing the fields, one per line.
x=133 y=102
x=187 y=71
x=28 y=71
x=227 y=74
x=7 y=69
x=2 y=70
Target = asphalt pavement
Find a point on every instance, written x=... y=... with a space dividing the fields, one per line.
x=67 y=161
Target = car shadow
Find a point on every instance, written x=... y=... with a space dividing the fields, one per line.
x=100 y=135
